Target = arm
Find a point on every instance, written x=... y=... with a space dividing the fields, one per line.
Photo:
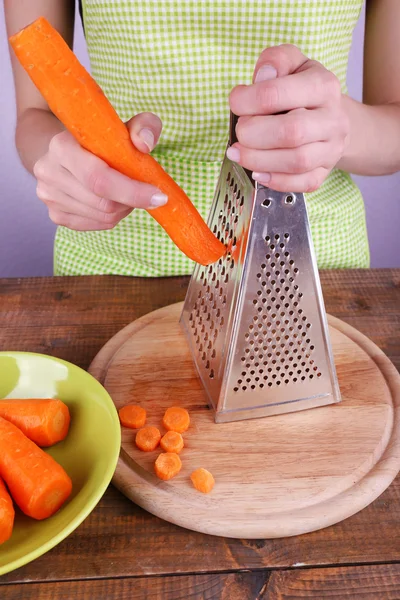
x=374 y=138
x=36 y=125
x=79 y=189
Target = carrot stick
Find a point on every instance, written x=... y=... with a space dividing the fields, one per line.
x=202 y=480
x=167 y=465
x=148 y=438
x=176 y=419
x=132 y=416
x=7 y=514
x=172 y=442
x=44 y=421
x=79 y=103
x=37 y=483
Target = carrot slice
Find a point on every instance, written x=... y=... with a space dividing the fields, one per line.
x=44 y=421
x=202 y=480
x=167 y=465
x=176 y=419
x=132 y=416
x=37 y=483
x=148 y=438
x=7 y=514
x=172 y=442
x=80 y=104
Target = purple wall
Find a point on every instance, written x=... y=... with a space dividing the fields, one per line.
x=26 y=233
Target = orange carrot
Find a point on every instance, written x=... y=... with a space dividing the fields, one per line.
x=80 y=104
x=202 y=480
x=148 y=438
x=44 y=421
x=172 y=442
x=176 y=419
x=132 y=416
x=37 y=483
x=167 y=465
x=7 y=514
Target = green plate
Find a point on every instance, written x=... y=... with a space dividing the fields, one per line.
x=89 y=453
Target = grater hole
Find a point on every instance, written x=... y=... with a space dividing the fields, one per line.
x=266 y=203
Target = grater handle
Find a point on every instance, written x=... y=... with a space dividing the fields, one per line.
x=232 y=128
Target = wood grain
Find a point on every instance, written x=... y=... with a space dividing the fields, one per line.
x=276 y=476
x=73 y=317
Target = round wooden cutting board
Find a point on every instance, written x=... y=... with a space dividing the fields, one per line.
x=276 y=476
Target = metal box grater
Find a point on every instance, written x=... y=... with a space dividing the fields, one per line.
x=255 y=321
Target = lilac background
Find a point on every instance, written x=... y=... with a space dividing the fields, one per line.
x=26 y=233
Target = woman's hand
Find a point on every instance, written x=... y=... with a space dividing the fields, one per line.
x=294 y=151
x=83 y=193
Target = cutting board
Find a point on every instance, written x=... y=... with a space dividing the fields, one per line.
x=277 y=476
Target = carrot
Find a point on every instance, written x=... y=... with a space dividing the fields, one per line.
x=37 y=483
x=148 y=438
x=132 y=416
x=44 y=421
x=167 y=465
x=80 y=104
x=7 y=514
x=202 y=480
x=176 y=419
x=172 y=442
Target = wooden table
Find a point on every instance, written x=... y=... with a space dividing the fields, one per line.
x=121 y=551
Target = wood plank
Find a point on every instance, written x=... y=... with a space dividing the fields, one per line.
x=73 y=317
x=238 y=586
x=375 y=582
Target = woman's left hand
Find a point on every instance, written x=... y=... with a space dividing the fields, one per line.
x=294 y=151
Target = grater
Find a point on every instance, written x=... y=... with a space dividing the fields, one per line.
x=255 y=321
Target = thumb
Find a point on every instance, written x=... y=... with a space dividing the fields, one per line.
x=145 y=130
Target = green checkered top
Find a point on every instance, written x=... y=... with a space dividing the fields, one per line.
x=180 y=59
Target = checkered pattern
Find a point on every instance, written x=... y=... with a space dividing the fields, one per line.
x=180 y=59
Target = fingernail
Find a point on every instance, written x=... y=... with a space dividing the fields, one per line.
x=158 y=199
x=261 y=177
x=266 y=72
x=147 y=136
x=233 y=154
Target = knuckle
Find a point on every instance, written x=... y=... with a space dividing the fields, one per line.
x=40 y=170
x=302 y=161
x=56 y=145
x=313 y=182
x=241 y=130
x=105 y=205
x=58 y=218
x=292 y=133
x=43 y=193
x=331 y=84
x=268 y=97
x=110 y=219
x=96 y=179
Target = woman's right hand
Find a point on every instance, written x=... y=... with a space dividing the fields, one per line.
x=83 y=193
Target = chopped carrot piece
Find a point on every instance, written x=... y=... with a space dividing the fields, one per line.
x=172 y=442
x=132 y=416
x=167 y=465
x=44 y=421
x=202 y=480
x=148 y=438
x=37 y=483
x=80 y=104
x=7 y=514
x=176 y=419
